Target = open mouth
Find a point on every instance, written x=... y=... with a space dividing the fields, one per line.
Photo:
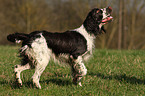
x=107 y=19
x=107 y=15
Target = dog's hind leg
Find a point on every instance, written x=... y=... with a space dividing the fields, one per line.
x=39 y=68
x=18 y=69
x=42 y=60
x=40 y=54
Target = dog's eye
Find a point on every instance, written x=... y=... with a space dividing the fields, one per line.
x=98 y=11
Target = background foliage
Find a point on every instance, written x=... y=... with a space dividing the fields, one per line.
x=61 y=15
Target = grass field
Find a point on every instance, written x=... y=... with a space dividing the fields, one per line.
x=110 y=73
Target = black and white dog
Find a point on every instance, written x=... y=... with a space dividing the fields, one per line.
x=39 y=47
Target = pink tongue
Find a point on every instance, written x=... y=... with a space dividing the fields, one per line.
x=107 y=19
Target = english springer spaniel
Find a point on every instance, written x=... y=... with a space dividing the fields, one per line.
x=39 y=47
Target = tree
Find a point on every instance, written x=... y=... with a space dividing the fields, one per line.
x=120 y=24
x=125 y=31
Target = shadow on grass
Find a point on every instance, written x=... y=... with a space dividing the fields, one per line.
x=59 y=82
x=121 y=78
x=12 y=83
x=29 y=84
x=16 y=85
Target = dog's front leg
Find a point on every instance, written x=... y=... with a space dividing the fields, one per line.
x=78 y=70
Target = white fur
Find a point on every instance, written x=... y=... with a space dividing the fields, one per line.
x=101 y=24
x=79 y=66
x=39 y=54
x=18 y=41
x=88 y=37
x=104 y=13
x=18 y=69
x=90 y=41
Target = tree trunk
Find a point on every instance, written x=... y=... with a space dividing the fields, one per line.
x=124 y=26
x=120 y=24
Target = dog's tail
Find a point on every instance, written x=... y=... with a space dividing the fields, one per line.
x=17 y=37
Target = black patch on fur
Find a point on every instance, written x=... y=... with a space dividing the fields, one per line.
x=108 y=10
x=16 y=66
x=93 y=20
x=69 y=42
x=25 y=59
x=17 y=36
x=17 y=79
x=16 y=73
x=32 y=36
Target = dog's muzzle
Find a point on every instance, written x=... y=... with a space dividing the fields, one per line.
x=107 y=19
x=107 y=15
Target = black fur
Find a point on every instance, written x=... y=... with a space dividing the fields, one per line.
x=68 y=42
x=93 y=20
x=109 y=10
x=17 y=36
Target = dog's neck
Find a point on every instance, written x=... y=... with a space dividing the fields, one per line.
x=89 y=37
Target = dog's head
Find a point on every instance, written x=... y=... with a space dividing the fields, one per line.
x=101 y=15
x=107 y=15
x=97 y=17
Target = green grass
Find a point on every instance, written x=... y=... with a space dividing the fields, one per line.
x=110 y=73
